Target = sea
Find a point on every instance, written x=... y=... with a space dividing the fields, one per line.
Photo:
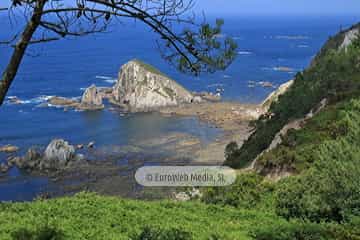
x=271 y=49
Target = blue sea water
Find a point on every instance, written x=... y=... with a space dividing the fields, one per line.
x=66 y=67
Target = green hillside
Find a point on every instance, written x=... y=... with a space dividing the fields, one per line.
x=334 y=75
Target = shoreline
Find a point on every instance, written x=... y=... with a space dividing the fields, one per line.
x=106 y=176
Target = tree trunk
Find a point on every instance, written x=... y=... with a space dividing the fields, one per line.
x=19 y=50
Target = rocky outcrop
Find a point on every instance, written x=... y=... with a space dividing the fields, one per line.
x=4 y=168
x=274 y=96
x=141 y=87
x=58 y=156
x=91 y=99
x=63 y=102
x=276 y=173
x=9 y=149
x=349 y=37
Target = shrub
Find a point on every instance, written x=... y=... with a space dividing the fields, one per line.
x=247 y=191
x=329 y=190
x=44 y=233
x=303 y=231
x=153 y=233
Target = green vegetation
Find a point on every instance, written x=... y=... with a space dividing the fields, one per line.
x=150 y=68
x=89 y=216
x=249 y=191
x=334 y=75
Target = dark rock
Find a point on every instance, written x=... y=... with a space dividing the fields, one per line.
x=4 y=168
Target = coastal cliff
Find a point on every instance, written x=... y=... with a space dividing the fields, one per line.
x=289 y=136
x=141 y=87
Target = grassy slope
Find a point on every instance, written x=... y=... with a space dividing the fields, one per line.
x=89 y=216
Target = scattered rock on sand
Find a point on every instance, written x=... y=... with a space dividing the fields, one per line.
x=9 y=149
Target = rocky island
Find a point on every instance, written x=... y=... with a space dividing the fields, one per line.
x=141 y=87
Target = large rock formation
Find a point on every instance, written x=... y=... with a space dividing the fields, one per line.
x=141 y=87
x=57 y=154
x=91 y=99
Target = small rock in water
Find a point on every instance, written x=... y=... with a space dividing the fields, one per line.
x=9 y=149
x=61 y=101
x=91 y=99
x=80 y=146
x=57 y=154
x=14 y=100
x=4 y=168
x=266 y=84
x=91 y=145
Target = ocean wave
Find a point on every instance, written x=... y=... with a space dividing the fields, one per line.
x=303 y=46
x=36 y=100
x=283 y=69
x=292 y=37
x=111 y=81
x=215 y=85
x=106 y=78
x=245 y=53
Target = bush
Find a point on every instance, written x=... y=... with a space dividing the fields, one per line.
x=152 y=233
x=247 y=192
x=230 y=149
x=44 y=233
x=329 y=190
x=303 y=231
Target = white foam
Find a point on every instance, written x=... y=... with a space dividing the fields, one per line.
x=303 y=46
x=292 y=37
x=245 y=53
x=103 y=77
x=215 y=85
x=111 y=80
x=106 y=79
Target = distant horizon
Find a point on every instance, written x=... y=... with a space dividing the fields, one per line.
x=271 y=8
